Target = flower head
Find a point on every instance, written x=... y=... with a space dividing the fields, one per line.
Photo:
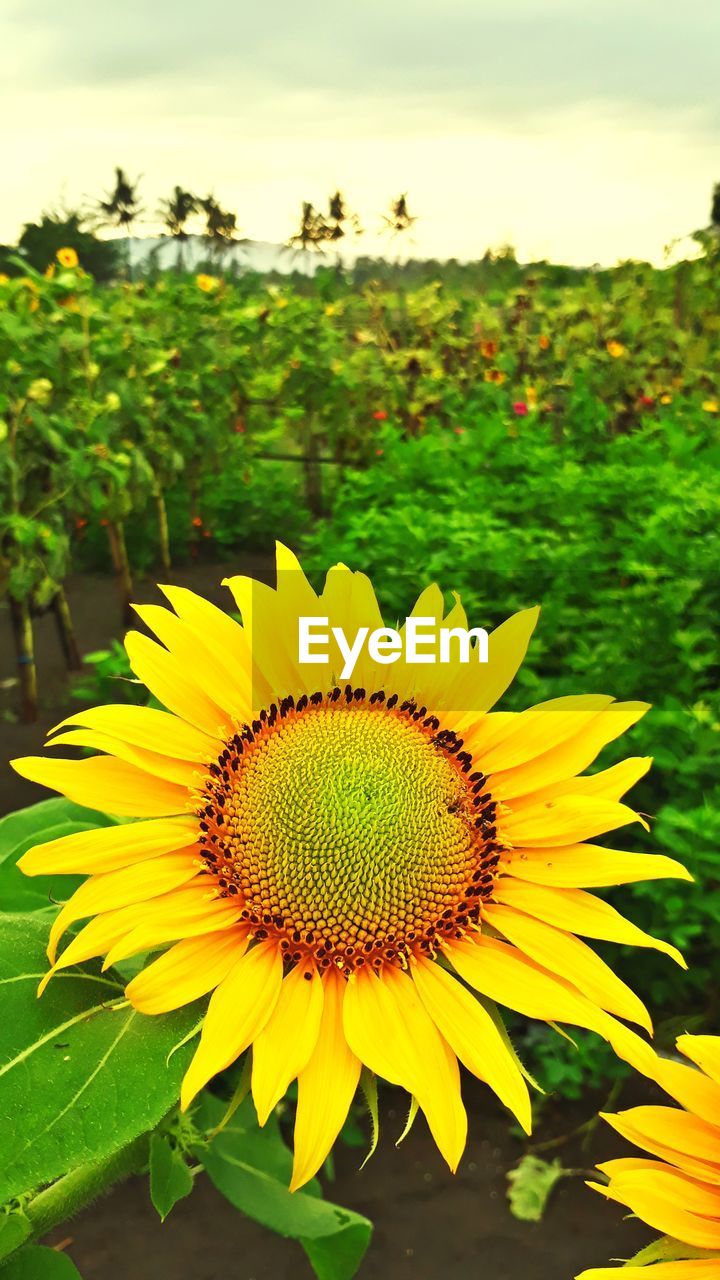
x=354 y=870
x=489 y=349
x=67 y=257
x=711 y=406
x=615 y=349
x=520 y=408
x=678 y=1190
x=494 y=375
x=208 y=284
x=380 y=415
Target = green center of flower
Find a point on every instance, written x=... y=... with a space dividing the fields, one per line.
x=351 y=827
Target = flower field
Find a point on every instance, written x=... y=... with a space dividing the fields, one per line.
x=525 y=437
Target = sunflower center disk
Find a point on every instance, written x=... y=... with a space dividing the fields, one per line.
x=353 y=829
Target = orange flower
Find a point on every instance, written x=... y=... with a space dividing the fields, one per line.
x=544 y=342
x=615 y=349
x=67 y=257
x=494 y=375
x=489 y=349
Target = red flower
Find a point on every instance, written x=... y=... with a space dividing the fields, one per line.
x=380 y=415
x=520 y=408
x=647 y=402
x=197 y=521
x=459 y=431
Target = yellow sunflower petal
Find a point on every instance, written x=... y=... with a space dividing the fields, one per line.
x=656 y=1198
x=563 y=953
x=167 y=678
x=688 y=1193
x=238 y=1011
x=576 y=911
x=148 y=728
x=704 y=1051
x=389 y=1029
x=673 y=1135
x=485 y=683
x=589 y=866
x=694 y=1091
x=187 y=971
x=184 y=913
x=700 y=1269
x=122 y=888
x=216 y=681
x=607 y=784
x=473 y=1036
x=567 y=820
x=544 y=730
x=326 y=1086
x=113 y=786
x=286 y=1042
x=224 y=639
x=109 y=848
x=182 y=772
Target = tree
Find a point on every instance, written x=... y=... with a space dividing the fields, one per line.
x=121 y=208
x=220 y=225
x=715 y=207
x=175 y=213
x=313 y=231
x=341 y=222
x=40 y=241
x=398 y=219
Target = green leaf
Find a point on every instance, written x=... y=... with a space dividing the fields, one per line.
x=48 y=820
x=170 y=1178
x=15 y=1229
x=252 y=1166
x=37 y=1263
x=531 y=1183
x=80 y=1077
x=668 y=1250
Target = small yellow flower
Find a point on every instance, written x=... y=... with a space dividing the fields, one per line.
x=330 y=309
x=494 y=375
x=281 y=303
x=208 y=284
x=3 y=278
x=615 y=349
x=67 y=257
x=49 y=271
x=40 y=390
x=711 y=406
x=531 y=397
x=666 y=399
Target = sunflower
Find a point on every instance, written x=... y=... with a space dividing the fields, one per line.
x=678 y=1192
x=67 y=257
x=357 y=872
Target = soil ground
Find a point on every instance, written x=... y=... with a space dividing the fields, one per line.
x=428 y=1224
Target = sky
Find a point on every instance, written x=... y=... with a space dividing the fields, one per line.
x=576 y=131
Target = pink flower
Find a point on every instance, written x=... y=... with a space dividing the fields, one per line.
x=520 y=408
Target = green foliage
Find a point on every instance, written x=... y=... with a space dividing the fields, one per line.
x=618 y=538
x=252 y=1166
x=82 y=1073
x=40 y=242
x=170 y=1177
x=48 y=820
x=531 y=1184
x=37 y=1263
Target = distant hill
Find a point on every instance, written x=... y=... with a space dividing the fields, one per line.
x=246 y=255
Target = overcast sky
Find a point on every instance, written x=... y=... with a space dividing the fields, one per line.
x=575 y=130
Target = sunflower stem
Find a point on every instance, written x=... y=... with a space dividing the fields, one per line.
x=77 y=1189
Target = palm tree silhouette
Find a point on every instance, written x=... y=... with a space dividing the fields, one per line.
x=220 y=225
x=398 y=219
x=175 y=213
x=121 y=207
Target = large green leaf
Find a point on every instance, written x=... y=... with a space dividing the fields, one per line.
x=48 y=820
x=252 y=1166
x=36 y=1263
x=80 y=1077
